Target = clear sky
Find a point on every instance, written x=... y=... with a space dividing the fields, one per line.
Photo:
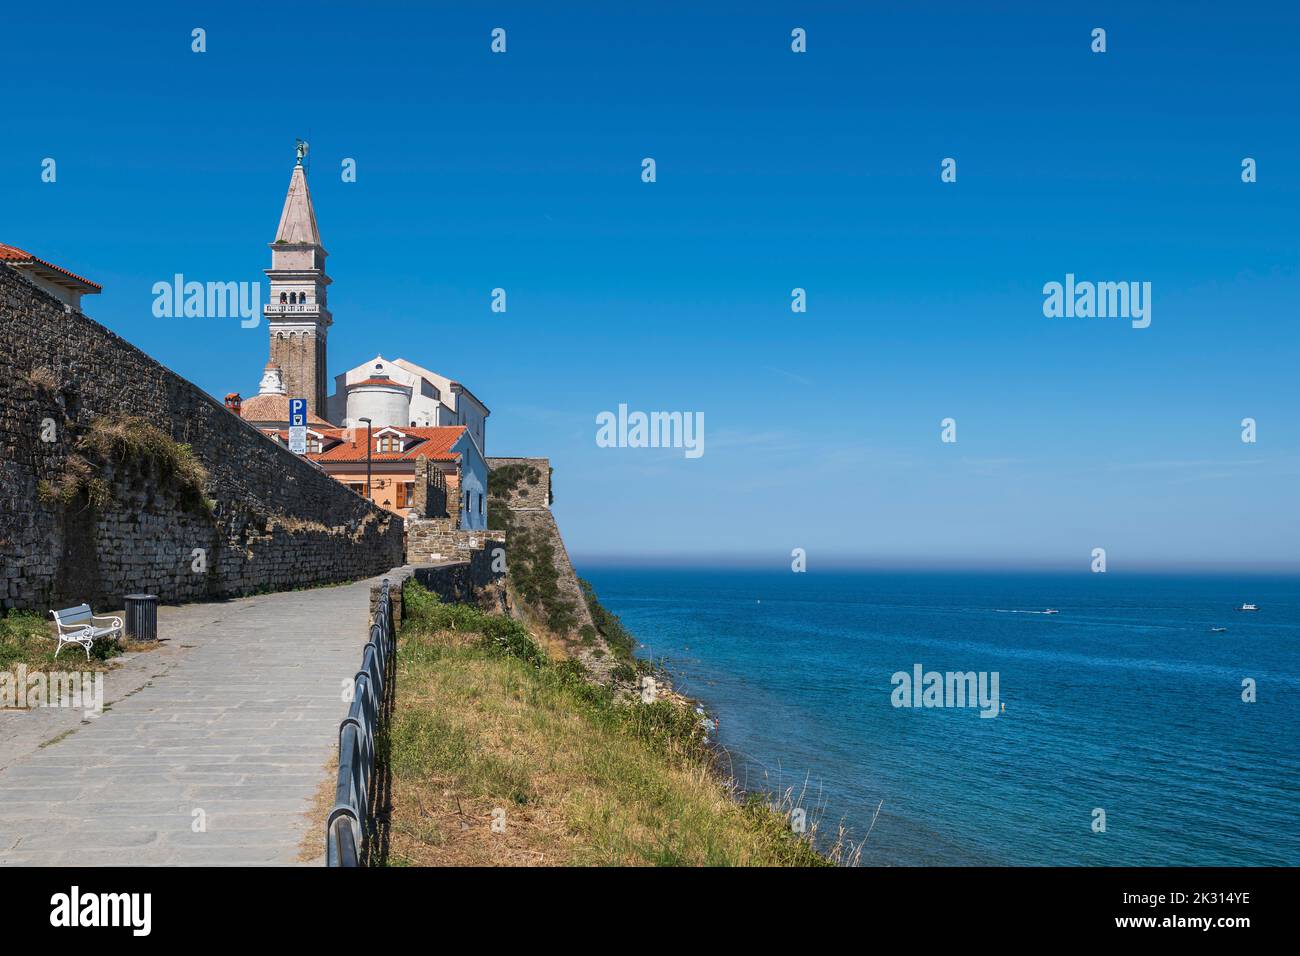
x=775 y=170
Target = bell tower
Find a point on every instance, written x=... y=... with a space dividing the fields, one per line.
x=296 y=314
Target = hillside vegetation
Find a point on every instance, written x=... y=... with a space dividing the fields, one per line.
x=499 y=756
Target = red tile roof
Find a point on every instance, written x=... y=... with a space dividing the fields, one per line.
x=433 y=443
x=20 y=257
x=273 y=408
x=380 y=381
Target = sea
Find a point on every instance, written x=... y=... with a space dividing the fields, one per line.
x=1128 y=732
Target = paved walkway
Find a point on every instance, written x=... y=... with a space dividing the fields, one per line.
x=235 y=716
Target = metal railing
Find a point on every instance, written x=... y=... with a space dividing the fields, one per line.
x=347 y=829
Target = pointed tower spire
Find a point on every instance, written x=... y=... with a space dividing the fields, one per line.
x=297 y=316
x=298 y=220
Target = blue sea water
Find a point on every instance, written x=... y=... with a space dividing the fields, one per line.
x=1124 y=701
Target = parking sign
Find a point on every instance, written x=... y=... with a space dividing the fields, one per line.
x=298 y=426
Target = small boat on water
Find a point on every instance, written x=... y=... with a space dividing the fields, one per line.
x=1217 y=630
x=1249 y=607
x=1051 y=610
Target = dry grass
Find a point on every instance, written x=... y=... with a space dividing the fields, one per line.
x=575 y=776
x=122 y=439
x=311 y=849
x=44 y=379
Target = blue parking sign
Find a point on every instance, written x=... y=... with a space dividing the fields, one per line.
x=297 y=411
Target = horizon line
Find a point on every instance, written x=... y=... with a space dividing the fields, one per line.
x=724 y=561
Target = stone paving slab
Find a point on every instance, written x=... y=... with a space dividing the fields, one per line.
x=236 y=715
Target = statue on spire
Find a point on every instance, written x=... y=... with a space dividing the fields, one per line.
x=302 y=150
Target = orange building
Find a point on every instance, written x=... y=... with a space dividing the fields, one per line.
x=393 y=454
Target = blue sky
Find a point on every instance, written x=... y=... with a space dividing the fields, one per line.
x=775 y=170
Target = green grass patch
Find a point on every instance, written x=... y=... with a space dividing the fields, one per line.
x=486 y=727
x=28 y=638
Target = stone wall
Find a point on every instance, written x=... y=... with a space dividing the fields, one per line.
x=270 y=520
x=397 y=579
x=428 y=491
x=435 y=540
x=472 y=581
x=532 y=528
x=534 y=490
x=540 y=524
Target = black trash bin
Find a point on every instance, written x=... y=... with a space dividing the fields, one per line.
x=142 y=617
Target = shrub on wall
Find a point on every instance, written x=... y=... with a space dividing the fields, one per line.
x=121 y=440
x=536 y=579
x=619 y=638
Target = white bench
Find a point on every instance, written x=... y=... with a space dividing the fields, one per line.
x=77 y=625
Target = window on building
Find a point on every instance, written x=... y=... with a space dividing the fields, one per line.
x=284 y=298
x=480 y=503
x=358 y=486
x=405 y=494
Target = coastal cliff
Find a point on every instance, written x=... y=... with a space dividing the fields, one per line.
x=543 y=589
x=526 y=732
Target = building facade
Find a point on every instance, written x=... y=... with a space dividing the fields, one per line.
x=416 y=418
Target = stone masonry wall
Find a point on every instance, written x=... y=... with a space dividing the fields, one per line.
x=472 y=581
x=273 y=520
x=540 y=524
x=434 y=540
x=428 y=491
x=525 y=494
x=529 y=511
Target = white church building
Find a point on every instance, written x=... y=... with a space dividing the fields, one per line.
x=401 y=393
